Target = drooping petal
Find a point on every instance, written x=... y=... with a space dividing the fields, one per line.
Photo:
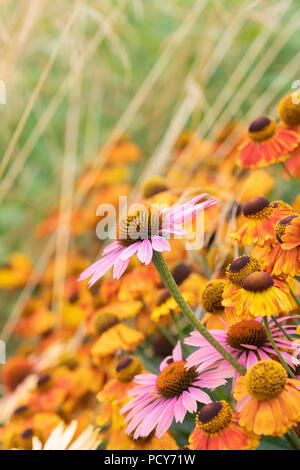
x=160 y=244
x=145 y=252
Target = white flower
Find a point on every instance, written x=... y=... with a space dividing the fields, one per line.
x=60 y=439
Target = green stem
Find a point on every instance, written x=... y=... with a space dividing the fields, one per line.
x=179 y=332
x=281 y=329
x=287 y=368
x=295 y=438
x=287 y=170
x=165 y=332
x=165 y=274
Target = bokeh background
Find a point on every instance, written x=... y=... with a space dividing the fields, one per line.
x=81 y=74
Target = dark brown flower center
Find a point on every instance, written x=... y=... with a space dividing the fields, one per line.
x=246 y=332
x=258 y=282
x=257 y=208
x=259 y=124
x=240 y=268
x=262 y=129
x=282 y=225
x=214 y=418
x=181 y=272
x=175 y=379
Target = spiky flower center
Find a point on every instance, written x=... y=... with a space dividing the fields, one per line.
x=214 y=418
x=212 y=296
x=175 y=379
x=266 y=380
x=246 y=332
x=282 y=225
x=262 y=129
x=139 y=224
x=258 y=282
x=289 y=109
x=127 y=368
x=240 y=268
x=258 y=208
x=104 y=321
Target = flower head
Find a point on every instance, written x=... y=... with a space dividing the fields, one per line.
x=260 y=217
x=268 y=400
x=266 y=143
x=247 y=341
x=261 y=295
x=158 y=399
x=140 y=232
x=217 y=429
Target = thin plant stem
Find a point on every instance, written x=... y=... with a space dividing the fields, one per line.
x=281 y=329
x=295 y=438
x=287 y=170
x=165 y=274
x=179 y=332
x=165 y=332
x=287 y=368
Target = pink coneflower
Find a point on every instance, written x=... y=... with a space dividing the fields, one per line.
x=141 y=231
x=247 y=341
x=158 y=399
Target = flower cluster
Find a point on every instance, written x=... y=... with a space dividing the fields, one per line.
x=155 y=345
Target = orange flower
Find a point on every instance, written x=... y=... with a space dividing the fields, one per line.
x=267 y=399
x=212 y=297
x=266 y=143
x=16 y=273
x=118 y=440
x=119 y=336
x=260 y=217
x=217 y=429
x=15 y=370
x=261 y=295
x=284 y=258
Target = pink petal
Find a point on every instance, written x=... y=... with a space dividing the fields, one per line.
x=145 y=252
x=120 y=267
x=177 y=353
x=130 y=251
x=179 y=410
x=160 y=244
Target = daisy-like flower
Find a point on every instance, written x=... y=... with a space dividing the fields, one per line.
x=141 y=231
x=266 y=143
x=211 y=300
x=268 y=401
x=260 y=217
x=217 y=429
x=284 y=257
x=158 y=399
x=247 y=341
x=61 y=439
x=261 y=295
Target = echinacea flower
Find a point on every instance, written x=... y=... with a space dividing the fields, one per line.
x=260 y=217
x=61 y=439
x=268 y=401
x=140 y=232
x=158 y=399
x=217 y=429
x=266 y=143
x=261 y=295
x=283 y=259
x=247 y=341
